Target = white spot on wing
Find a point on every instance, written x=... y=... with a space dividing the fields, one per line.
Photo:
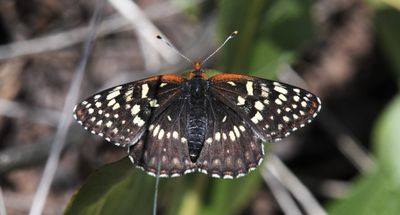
x=183 y=140
x=257 y=117
x=278 y=102
x=231 y=83
x=116 y=106
x=175 y=135
x=249 y=88
x=113 y=95
x=145 y=90
x=241 y=100
x=135 y=109
x=280 y=89
x=217 y=136
x=111 y=103
x=155 y=132
x=153 y=103
x=161 y=134
x=282 y=97
x=236 y=130
x=232 y=135
x=285 y=118
x=259 y=106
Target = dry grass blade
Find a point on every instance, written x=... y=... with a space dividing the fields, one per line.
x=62 y=129
x=346 y=143
x=280 y=193
x=144 y=27
x=38 y=115
x=68 y=38
x=294 y=185
x=2 y=205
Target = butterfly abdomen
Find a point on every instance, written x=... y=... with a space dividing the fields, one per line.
x=197 y=116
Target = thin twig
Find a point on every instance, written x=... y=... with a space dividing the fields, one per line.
x=156 y=188
x=294 y=185
x=350 y=147
x=72 y=97
x=68 y=38
x=280 y=193
x=347 y=144
x=38 y=115
x=152 y=61
x=143 y=26
x=26 y=155
x=60 y=40
x=2 y=205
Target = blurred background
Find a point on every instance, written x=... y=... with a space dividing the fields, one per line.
x=345 y=51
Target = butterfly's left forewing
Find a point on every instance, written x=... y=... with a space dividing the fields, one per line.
x=121 y=114
x=273 y=109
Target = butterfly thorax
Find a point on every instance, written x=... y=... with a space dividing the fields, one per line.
x=197 y=88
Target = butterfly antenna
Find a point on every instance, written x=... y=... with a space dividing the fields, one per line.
x=173 y=48
x=222 y=45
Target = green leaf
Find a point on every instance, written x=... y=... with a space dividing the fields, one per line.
x=387 y=140
x=379 y=193
x=231 y=196
x=371 y=195
x=116 y=188
x=277 y=30
x=244 y=16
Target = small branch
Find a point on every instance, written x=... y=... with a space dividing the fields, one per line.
x=281 y=194
x=38 y=115
x=347 y=144
x=294 y=185
x=68 y=38
x=26 y=155
x=62 y=128
x=2 y=205
x=143 y=26
x=351 y=148
x=356 y=153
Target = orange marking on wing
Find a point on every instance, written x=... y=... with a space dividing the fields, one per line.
x=173 y=78
x=222 y=77
x=203 y=75
x=153 y=78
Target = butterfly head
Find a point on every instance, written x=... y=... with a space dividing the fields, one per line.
x=197 y=66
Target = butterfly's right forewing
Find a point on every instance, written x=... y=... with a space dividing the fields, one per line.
x=121 y=114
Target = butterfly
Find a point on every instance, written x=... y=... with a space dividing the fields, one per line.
x=174 y=125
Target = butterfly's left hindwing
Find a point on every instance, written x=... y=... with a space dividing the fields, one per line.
x=231 y=148
x=164 y=144
x=121 y=114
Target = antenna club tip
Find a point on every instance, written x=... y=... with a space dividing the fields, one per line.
x=234 y=33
